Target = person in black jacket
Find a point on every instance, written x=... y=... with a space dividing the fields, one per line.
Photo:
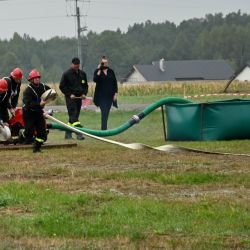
x=74 y=86
x=34 y=122
x=105 y=91
x=14 y=84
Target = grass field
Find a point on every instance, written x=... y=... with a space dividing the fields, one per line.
x=100 y=196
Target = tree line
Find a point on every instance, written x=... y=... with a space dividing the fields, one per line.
x=213 y=37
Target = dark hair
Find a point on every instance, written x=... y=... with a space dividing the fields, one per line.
x=76 y=60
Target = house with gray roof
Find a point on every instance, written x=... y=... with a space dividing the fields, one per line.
x=187 y=70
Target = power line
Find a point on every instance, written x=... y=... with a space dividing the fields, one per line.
x=30 y=18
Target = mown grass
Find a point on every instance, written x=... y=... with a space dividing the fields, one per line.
x=100 y=196
x=48 y=213
x=182 y=178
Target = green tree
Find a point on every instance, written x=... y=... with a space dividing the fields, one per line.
x=9 y=61
x=213 y=37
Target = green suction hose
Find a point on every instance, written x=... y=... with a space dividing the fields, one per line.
x=135 y=118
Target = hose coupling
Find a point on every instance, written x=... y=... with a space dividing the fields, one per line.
x=136 y=118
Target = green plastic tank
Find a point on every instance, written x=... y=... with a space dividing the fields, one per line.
x=220 y=120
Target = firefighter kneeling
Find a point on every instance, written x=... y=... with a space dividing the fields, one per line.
x=33 y=104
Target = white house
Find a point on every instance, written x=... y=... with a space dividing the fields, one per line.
x=241 y=75
x=244 y=74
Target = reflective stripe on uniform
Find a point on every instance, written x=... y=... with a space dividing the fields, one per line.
x=76 y=123
x=39 y=139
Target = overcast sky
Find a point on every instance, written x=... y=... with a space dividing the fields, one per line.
x=44 y=19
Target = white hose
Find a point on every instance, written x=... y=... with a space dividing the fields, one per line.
x=165 y=148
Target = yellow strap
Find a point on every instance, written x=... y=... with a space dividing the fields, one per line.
x=39 y=139
x=76 y=123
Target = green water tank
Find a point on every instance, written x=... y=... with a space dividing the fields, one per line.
x=220 y=120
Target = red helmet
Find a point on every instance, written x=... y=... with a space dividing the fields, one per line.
x=34 y=74
x=17 y=74
x=3 y=85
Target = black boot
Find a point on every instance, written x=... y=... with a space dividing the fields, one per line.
x=68 y=135
x=37 y=147
x=80 y=137
x=21 y=138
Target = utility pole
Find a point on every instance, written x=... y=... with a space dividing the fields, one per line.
x=79 y=49
x=80 y=29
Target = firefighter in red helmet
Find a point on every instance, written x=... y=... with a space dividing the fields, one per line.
x=34 y=122
x=14 y=84
x=3 y=86
x=4 y=116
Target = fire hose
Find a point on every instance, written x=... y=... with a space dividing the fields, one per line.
x=134 y=120
x=95 y=134
x=165 y=148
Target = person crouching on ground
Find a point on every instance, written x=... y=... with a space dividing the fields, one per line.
x=34 y=121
